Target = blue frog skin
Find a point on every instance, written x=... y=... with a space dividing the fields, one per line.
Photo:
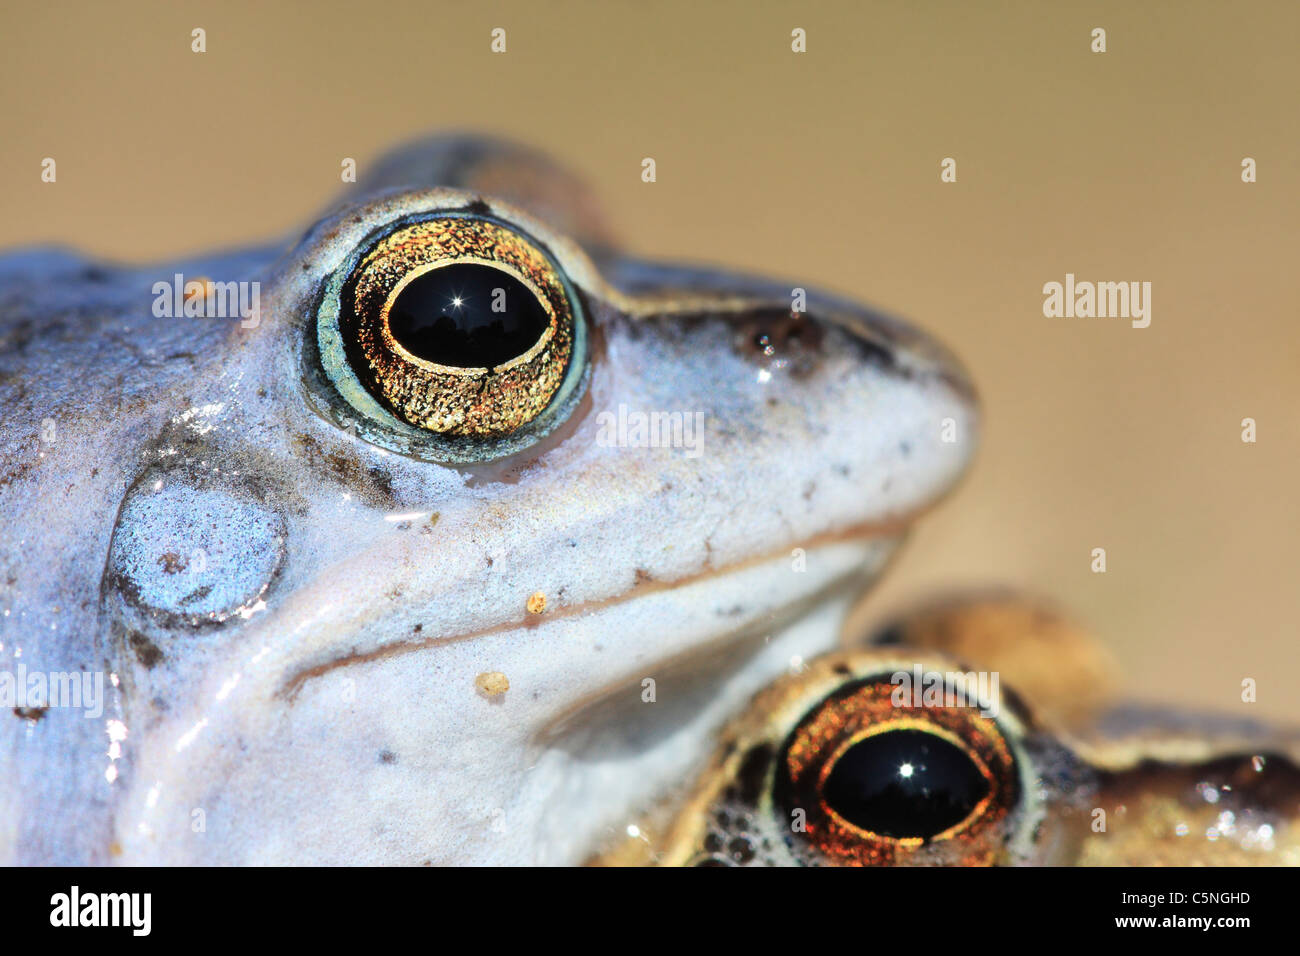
x=343 y=607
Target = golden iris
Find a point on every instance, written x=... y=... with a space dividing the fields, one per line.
x=460 y=326
x=881 y=782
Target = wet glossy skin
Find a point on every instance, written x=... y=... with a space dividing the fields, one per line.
x=1094 y=785
x=305 y=617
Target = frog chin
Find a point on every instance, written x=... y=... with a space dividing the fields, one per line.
x=412 y=757
x=603 y=763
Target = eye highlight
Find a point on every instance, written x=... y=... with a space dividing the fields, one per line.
x=459 y=326
x=882 y=784
x=452 y=337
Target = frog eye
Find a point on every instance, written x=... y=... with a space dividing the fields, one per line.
x=455 y=337
x=882 y=783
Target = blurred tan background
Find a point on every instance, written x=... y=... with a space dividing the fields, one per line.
x=823 y=167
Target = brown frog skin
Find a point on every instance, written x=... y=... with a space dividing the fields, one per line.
x=1082 y=782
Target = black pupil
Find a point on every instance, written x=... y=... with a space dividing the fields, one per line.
x=467 y=316
x=904 y=783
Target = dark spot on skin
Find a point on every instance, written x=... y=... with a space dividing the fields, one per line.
x=876 y=353
x=146 y=651
x=841 y=470
x=905 y=448
x=418 y=628
x=890 y=636
x=489 y=560
x=380 y=477
x=842 y=669
x=387 y=756
x=261 y=392
x=372 y=483
x=751 y=778
x=21 y=470
x=479 y=207
x=741 y=849
x=30 y=713
x=172 y=563
x=642 y=576
x=20 y=334
x=94 y=472
x=198 y=594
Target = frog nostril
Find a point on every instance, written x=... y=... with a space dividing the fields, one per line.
x=780 y=338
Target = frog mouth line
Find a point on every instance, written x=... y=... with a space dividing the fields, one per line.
x=892 y=529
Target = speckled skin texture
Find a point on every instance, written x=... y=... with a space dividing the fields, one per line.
x=311 y=695
x=1101 y=785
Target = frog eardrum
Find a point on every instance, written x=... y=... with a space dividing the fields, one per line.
x=455 y=336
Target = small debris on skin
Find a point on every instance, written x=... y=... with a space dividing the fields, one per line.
x=537 y=603
x=492 y=683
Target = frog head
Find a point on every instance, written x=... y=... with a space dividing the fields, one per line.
x=454 y=542
x=980 y=731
